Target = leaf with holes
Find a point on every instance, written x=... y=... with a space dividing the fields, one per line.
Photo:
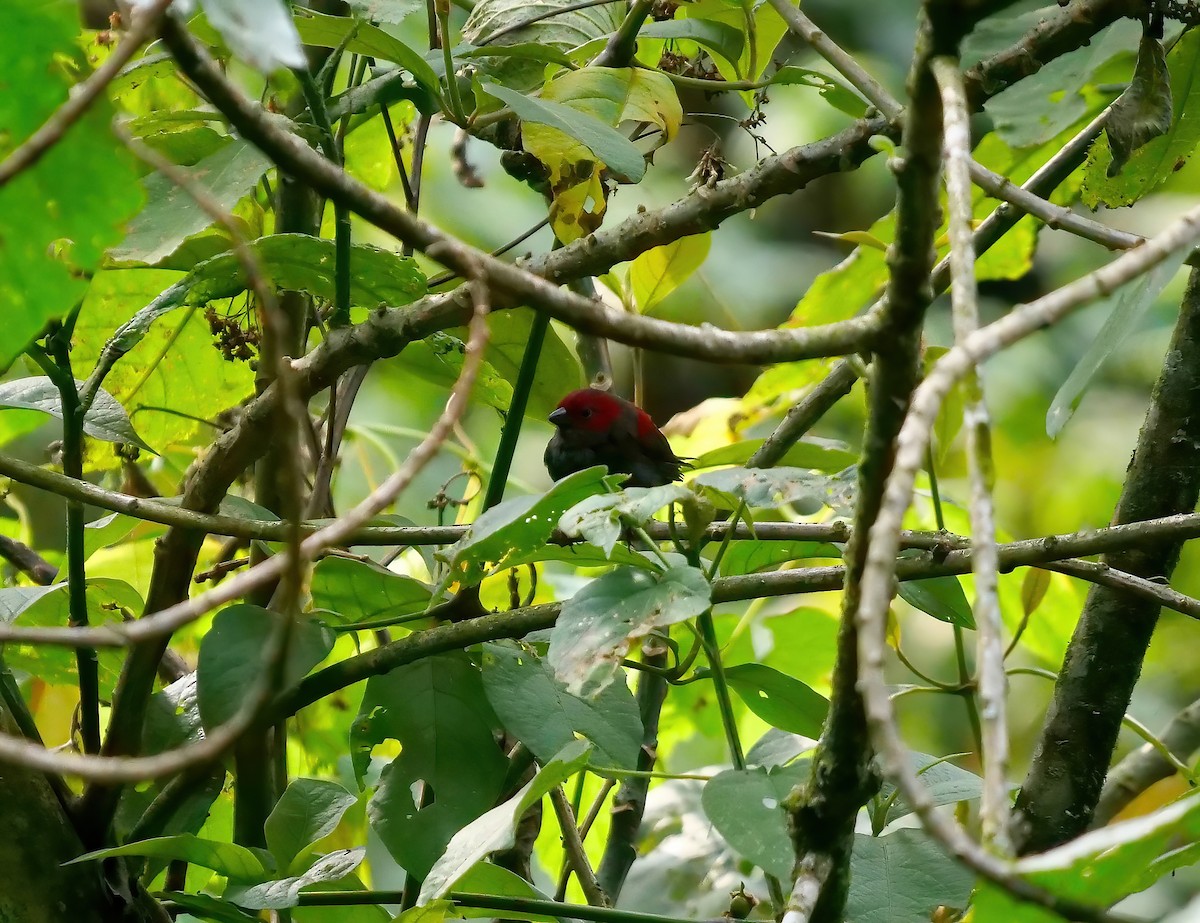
x=598 y=625
x=778 y=699
x=543 y=714
x=601 y=519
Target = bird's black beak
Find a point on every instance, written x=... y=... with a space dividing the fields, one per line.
x=558 y=416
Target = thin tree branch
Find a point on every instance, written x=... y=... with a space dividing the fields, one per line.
x=574 y=851
x=992 y=685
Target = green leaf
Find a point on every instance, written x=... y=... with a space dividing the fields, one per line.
x=393 y=11
x=496 y=830
x=941 y=597
x=752 y=556
x=261 y=33
x=544 y=715
x=228 y=859
x=658 y=272
x=1129 y=304
x=302 y=263
x=106 y=419
x=560 y=32
x=361 y=591
x=206 y=907
x=903 y=876
x=331 y=31
x=171 y=214
x=285 y=892
x=558 y=369
x=778 y=699
x=172 y=378
x=231 y=657
x=308 y=810
x=608 y=145
x=766 y=488
x=769 y=28
x=63 y=211
x=746 y=807
x=1153 y=163
x=600 y=520
x=944 y=783
x=107 y=599
x=516 y=527
x=597 y=625
x=823 y=456
x=720 y=37
x=437 y=711
x=1035 y=109
x=1033 y=589
x=485 y=878
x=833 y=91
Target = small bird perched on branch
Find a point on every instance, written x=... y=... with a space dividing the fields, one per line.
x=598 y=428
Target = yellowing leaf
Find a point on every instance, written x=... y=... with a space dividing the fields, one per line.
x=865 y=238
x=609 y=96
x=657 y=273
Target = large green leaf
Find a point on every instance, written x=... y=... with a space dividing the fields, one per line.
x=437 y=710
x=766 y=487
x=107 y=599
x=496 y=829
x=228 y=859
x=516 y=527
x=658 y=272
x=944 y=783
x=361 y=591
x=941 y=597
x=230 y=662
x=608 y=145
x=902 y=878
x=171 y=214
x=61 y=213
x=746 y=807
x=601 y=520
x=307 y=810
x=597 y=625
x=285 y=892
x=779 y=699
x=544 y=715
x=332 y=31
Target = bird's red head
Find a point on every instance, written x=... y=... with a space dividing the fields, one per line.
x=588 y=409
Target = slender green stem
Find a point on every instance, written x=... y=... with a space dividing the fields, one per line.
x=341 y=278
x=57 y=366
x=456 y=105
x=716 y=561
x=516 y=410
x=960 y=653
x=487 y=902
x=708 y=637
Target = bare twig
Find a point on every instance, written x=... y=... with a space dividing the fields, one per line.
x=573 y=848
x=992 y=686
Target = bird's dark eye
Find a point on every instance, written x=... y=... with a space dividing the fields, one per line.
x=587 y=412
